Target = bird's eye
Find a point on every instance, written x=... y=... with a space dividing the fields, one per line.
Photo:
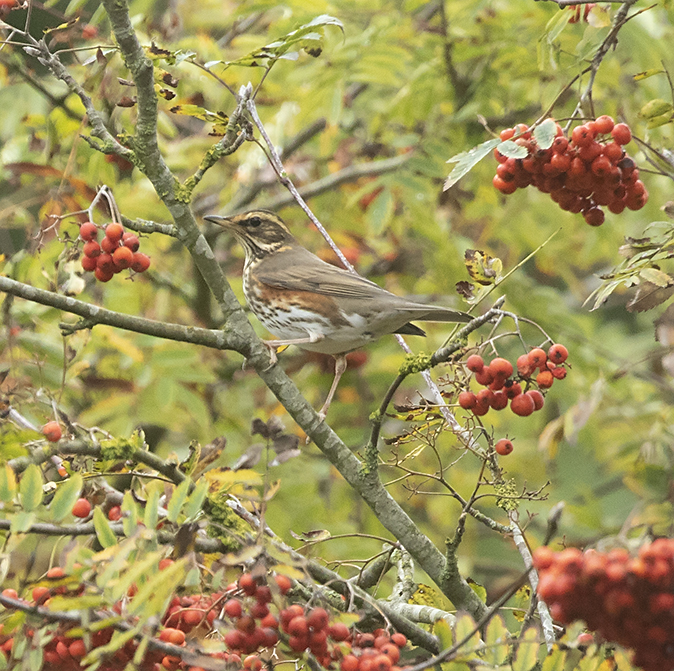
x=254 y=222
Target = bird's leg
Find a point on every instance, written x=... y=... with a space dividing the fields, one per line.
x=273 y=345
x=340 y=367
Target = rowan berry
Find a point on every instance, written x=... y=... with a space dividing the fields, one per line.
x=52 y=432
x=108 y=245
x=131 y=241
x=122 y=258
x=538 y=398
x=467 y=400
x=504 y=447
x=594 y=216
x=475 y=363
x=501 y=367
x=537 y=357
x=91 y=249
x=81 y=508
x=103 y=275
x=114 y=232
x=621 y=133
x=88 y=231
x=522 y=405
x=140 y=262
x=88 y=263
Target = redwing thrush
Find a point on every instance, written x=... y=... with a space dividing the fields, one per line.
x=305 y=301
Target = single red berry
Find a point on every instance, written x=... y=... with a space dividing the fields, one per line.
x=88 y=263
x=484 y=377
x=559 y=373
x=613 y=151
x=560 y=144
x=506 y=133
x=88 y=231
x=621 y=133
x=114 y=232
x=467 y=400
x=581 y=136
x=104 y=262
x=318 y=618
x=108 y=245
x=122 y=258
x=513 y=389
x=561 y=162
x=349 y=663
x=545 y=379
x=604 y=124
x=233 y=608
x=115 y=513
x=52 y=432
x=538 y=398
x=499 y=401
x=131 y=241
x=537 y=357
x=503 y=447
x=298 y=626
x=594 y=216
x=103 y=275
x=475 y=363
x=91 y=249
x=339 y=632
x=601 y=166
x=284 y=583
x=81 y=508
x=504 y=187
x=522 y=405
x=524 y=366
x=590 y=151
x=558 y=353
x=140 y=262
x=501 y=367
x=247 y=583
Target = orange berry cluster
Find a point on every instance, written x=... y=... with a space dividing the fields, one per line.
x=117 y=251
x=582 y=174
x=628 y=600
x=246 y=605
x=501 y=387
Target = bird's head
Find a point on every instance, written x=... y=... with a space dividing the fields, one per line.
x=261 y=232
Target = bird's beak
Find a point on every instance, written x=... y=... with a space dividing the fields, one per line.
x=216 y=219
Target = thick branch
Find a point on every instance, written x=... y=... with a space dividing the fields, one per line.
x=222 y=340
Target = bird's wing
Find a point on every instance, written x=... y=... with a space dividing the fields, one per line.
x=313 y=274
x=309 y=273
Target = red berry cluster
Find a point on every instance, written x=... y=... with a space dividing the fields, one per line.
x=628 y=600
x=501 y=387
x=246 y=605
x=581 y=174
x=117 y=251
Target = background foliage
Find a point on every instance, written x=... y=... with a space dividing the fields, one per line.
x=403 y=79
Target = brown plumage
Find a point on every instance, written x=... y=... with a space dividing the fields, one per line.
x=305 y=301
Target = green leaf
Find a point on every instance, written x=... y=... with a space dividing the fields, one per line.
x=463 y=627
x=381 y=212
x=444 y=633
x=106 y=536
x=647 y=73
x=196 y=499
x=512 y=149
x=527 y=651
x=178 y=500
x=7 y=484
x=129 y=514
x=83 y=602
x=153 y=597
x=151 y=515
x=137 y=571
x=655 y=108
x=545 y=133
x=656 y=277
x=555 y=661
x=466 y=161
x=30 y=488
x=496 y=639
x=67 y=493
x=22 y=521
